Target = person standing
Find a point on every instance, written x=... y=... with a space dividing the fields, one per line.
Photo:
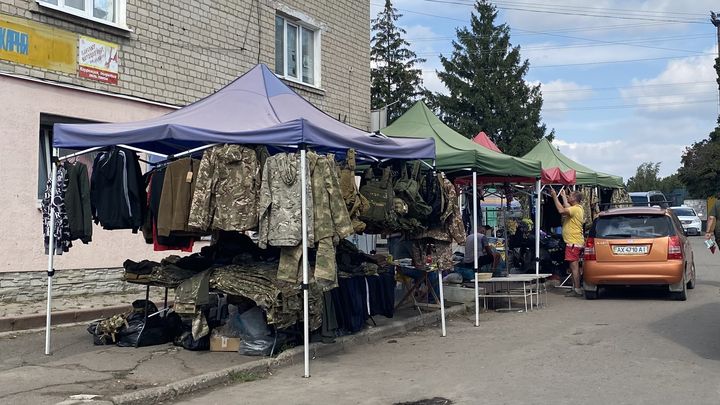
x=713 y=215
x=573 y=218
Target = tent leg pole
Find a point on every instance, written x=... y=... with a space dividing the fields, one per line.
x=51 y=252
x=475 y=248
x=538 y=196
x=305 y=285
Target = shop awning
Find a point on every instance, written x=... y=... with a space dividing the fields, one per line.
x=552 y=158
x=256 y=108
x=483 y=140
x=455 y=151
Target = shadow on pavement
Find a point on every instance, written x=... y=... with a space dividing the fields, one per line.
x=697 y=328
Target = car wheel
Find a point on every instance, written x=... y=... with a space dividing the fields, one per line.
x=691 y=283
x=590 y=295
x=680 y=295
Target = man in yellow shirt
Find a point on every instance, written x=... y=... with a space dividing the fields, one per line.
x=572 y=232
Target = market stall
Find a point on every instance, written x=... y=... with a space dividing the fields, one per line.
x=255 y=109
x=457 y=156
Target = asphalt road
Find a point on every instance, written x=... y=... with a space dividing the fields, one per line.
x=632 y=346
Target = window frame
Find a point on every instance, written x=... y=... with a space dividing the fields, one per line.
x=87 y=14
x=317 y=39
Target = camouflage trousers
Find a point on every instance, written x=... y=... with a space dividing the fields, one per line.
x=324 y=271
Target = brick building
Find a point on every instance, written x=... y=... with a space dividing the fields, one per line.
x=125 y=60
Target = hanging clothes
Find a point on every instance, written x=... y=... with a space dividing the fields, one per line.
x=176 y=197
x=61 y=229
x=280 y=209
x=355 y=202
x=162 y=243
x=226 y=192
x=77 y=202
x=117 y=192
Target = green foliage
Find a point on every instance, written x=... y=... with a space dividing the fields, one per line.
x=645 y=178
x=700 y=169
x=487 y=91
x=396 y=82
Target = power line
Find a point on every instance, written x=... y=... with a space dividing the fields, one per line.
x=623 y=106
x=602 y=62
x=559 y=11
x=599 y=9
x=629 y=87
x=709 y=92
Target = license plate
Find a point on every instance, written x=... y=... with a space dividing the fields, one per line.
x=631 y=250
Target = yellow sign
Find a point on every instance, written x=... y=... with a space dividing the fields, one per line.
x=30 y=43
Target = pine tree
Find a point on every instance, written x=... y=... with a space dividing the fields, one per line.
x=487 y=91
x=396 y=82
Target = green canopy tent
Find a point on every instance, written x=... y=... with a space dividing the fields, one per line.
x=455 y=153
x=549 y=156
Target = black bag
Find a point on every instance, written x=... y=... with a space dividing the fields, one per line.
x=138 y=332
x=186 y=341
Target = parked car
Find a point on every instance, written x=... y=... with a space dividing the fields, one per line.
x=649 y=199
x=638 y=246
x=689 y=219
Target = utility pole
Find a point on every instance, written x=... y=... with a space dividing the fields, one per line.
x=716 y=22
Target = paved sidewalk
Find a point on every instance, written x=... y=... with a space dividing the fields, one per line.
x=149 y=374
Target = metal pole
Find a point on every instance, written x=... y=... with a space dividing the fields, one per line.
x=475 y=256
x=306 y=292
x=442 y=295
x=538 y=195
x=51 y=250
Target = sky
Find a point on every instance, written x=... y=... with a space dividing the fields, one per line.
x=623 y=82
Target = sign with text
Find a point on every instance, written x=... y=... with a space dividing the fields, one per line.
x=98 y=60
x=30 y=43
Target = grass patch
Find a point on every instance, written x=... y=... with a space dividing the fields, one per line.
x=245 y=376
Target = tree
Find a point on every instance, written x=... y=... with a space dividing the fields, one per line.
x=671 y=183
x=700 y=170
x=646 y=178
x=396 y=82
x=487 y=91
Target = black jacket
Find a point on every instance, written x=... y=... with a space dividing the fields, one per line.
x=77 y=202
x=117 y=192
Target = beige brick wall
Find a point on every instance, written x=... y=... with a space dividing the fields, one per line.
x=182 y=50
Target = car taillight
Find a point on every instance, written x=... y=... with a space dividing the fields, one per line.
x=590 y=250
x=674 y=248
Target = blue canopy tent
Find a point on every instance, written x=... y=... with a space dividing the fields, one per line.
x=256 y=108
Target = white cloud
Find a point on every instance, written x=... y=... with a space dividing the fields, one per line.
x=558 y=93
x=685 y=87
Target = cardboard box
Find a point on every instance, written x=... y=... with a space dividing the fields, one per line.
x=224 y=344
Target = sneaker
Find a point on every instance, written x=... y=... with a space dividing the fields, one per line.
x=570 y=293
x=579 y=291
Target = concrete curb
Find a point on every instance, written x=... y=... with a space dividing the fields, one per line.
x=292 y=356
x=25 y=322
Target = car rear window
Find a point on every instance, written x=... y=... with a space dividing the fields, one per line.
x=639 y=200
x=684 y=212
x=632 y=226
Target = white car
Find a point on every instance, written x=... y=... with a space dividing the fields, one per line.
x=690 y=221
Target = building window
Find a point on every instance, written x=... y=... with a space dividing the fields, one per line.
x=110 y=12
x=297 y=51
x=45 y=150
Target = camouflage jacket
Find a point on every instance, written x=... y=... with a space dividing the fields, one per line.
x=330 y=212
x=226 y=192
x=280 y=202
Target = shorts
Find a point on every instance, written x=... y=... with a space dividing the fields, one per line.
x=573 y=253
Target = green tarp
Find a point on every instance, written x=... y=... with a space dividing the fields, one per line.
x=454 y=151
x=549 y=156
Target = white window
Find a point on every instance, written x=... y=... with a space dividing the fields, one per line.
x=297 y=51
x=111 y=12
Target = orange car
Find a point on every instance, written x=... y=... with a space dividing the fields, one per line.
x=638 y=246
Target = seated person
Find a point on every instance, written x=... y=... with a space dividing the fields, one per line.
x=485 y=255
x=401 y=248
